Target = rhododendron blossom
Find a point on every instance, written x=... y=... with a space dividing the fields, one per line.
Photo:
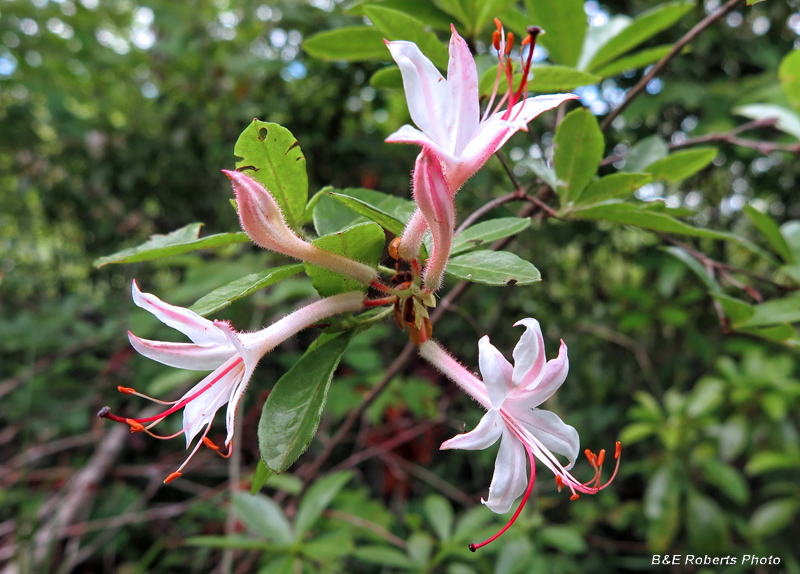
x=215 y=345
x=511 y=395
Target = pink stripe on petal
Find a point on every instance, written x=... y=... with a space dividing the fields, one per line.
x=482 y=436
x=496 y=372
x=528 y=354
x=462 y=77
x=183 y=355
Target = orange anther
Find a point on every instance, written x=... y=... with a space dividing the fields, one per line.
x=207 y=441
x=126 y=390
x=135 y=425
x=559 y=482
x=618 y=450
x=394 y=248
x=574 y=497
x=172 y=477
x=526 y=40
x=498 y=24
x=601 y=457
x=496 y=40
x=509 y=42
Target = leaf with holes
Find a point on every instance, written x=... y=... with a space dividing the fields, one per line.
x=271 y=155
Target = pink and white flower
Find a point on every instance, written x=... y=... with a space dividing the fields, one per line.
x=231 y=356
x=448 y=117
x=511 y=395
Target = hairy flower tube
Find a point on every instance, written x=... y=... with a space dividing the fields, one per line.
x=447 y=111
x=511 y=395
x=215 y=345
x=436 y=205
x=262 y=220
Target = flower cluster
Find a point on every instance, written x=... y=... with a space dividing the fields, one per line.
x=456 y=140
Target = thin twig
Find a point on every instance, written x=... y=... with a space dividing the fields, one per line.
x=514 y=181
x=486 y=208
x=434 y=480
x=634 y=92
x=367 y=525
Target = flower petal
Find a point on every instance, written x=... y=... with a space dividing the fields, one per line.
x=529 y=353
x=200 y=412
x=462 y=77
x=427 y=92
x=510 y=474
x=549 y=429
x=235 y=399
x=549 y=380
x=482 y=436
x=183 y=355
x=197 y=328
x=496 y=372
x=526 y=110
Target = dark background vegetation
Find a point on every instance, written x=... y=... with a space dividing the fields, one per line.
x=115 y=120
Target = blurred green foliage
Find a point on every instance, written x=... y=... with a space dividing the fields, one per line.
x=116 y=119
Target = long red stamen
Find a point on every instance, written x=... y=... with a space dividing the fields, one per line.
x=172 y=477
x=474 y=547
x=530 y=39
x=382 y=301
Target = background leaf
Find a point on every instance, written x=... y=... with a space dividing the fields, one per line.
x=493 y=268
x=352 y=44
x=579 y=149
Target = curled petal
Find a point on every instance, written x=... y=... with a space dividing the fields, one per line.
x=183 y=355
x=550 y=379
x=197 y=328
x=528 y=354
x=496 y=371
x=525 y=111
x=482 y=436
x=549 y=429
x=510 y=474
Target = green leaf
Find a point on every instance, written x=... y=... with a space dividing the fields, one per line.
x=487 y=10
x=789 y=74
x=788 y=121
x=546 y=173
x=636 y=432
x=362 y=242
x=180 y=241
x=420 y=547
x=227 y=294
x=457 y=9
x=598 y=36
x=493 y=268
x=579 y=149
x=397 y=25
x=263 y=517
x=329 y=546
x=682 y=164
x=564 y=538
x=661 y=505
x=706 y=524
x=735 y=309
x=774 y=516
x=696 y=267
x=271 y=155
x=635 y=61
x=770 y=230
x=645 y=152
x=614 y=186
x=261 y=476
x=423 y=10
x=727 y=479
x=643 y=27
x=389 y=77
x=380 y=217
x=551 y=79
x=769 y=461
x=751 y=2
x=331 y=215
x=775 y=312
x=317 y=499
x=439 y=513
x=565 y=26
x=352 y=44
x=291 y=413
x=228 y=542
x=488 y=231
x=640 y=215
x=383 y=556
